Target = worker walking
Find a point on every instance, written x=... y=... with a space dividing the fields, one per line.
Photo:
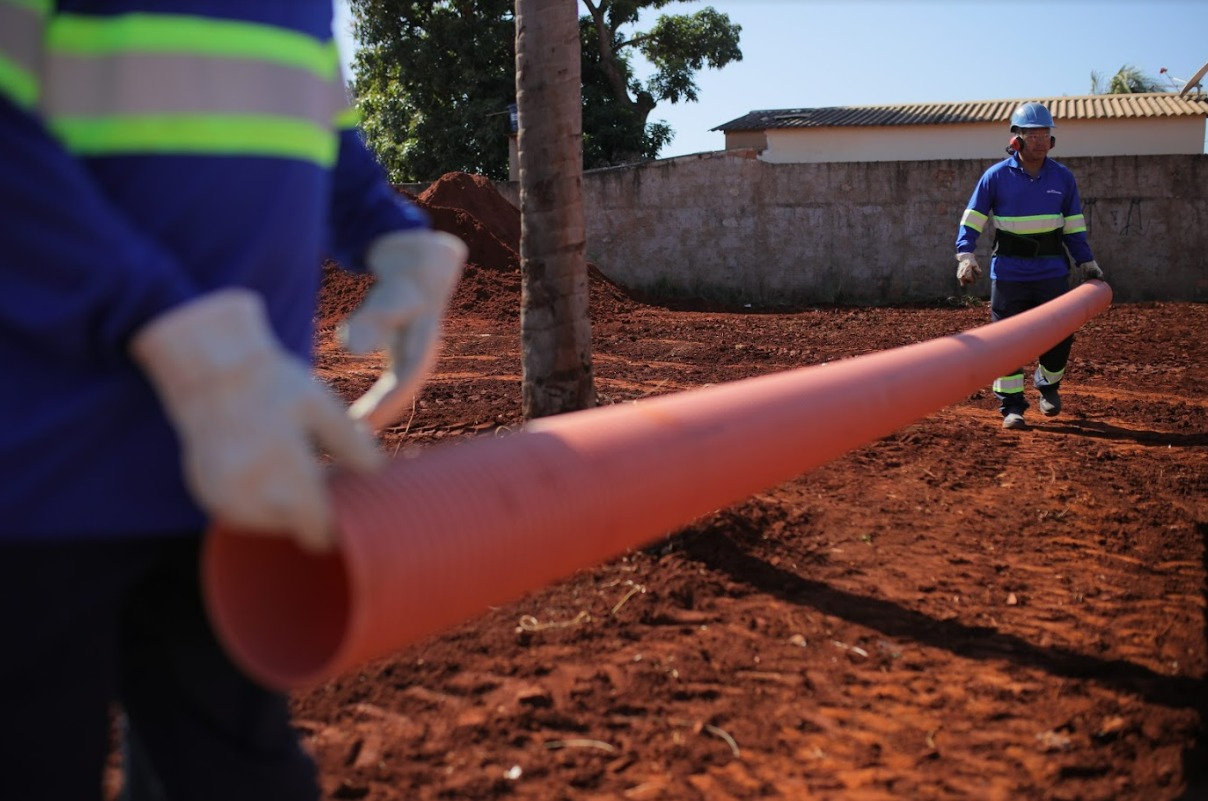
x=173 y=176
x=1034 y=204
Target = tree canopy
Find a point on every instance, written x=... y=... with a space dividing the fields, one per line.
x=433 y=81
x=1127 y=80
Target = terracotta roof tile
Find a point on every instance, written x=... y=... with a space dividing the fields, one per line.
x=1085 y=107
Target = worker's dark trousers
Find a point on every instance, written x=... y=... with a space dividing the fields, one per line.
x=1008 y=298
x=88 y=628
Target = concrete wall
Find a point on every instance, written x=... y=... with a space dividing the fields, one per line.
x=727 y=226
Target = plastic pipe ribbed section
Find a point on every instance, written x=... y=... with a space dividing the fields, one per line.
x=435 y=539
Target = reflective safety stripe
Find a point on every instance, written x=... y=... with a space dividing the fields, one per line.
x=199 y=135
x=142 y=83
x=1046 y=378
x=1074 y=224
x=41 y=7
x=1038 y=224
x=199 y=36
x=347 y=118
x=974 y=219
x=161 y=84
x=1009 y=384
x=22 y=23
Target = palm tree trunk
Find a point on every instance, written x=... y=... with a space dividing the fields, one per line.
x=554 y=322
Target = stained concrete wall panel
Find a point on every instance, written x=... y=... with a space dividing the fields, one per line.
x=726 y=225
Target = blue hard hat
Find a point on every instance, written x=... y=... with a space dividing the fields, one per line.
x=1032 y=115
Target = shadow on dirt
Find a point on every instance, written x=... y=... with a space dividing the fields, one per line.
x=712 y=548
x=1195 y=761
x=1089 y=428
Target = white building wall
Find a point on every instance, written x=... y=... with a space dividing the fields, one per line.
x=1172 y=136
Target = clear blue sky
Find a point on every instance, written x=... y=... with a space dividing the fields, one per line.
x=814 y=53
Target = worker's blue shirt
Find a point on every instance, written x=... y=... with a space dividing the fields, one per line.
x=1020 y=203
x=151 y=152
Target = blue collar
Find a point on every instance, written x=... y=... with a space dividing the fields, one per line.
x=1018 y=165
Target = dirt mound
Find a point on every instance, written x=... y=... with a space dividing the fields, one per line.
x=471 y=208
x=478 y=197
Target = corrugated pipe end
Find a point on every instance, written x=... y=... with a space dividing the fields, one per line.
x=262 y=590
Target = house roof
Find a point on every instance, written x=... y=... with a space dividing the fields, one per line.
x=1083 y=107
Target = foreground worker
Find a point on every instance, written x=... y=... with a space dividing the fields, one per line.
x=1037 y=216
x=173 y=175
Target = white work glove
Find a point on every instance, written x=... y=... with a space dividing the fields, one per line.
x=967 y=268
x=1090 y=269
x=246 y=412
x=416 y=273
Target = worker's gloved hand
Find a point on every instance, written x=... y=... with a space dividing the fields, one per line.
x=416 y=273
x=967 y=268
x=1090 y=269
x=247 y=413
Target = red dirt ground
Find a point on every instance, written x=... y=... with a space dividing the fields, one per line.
x=951 y=612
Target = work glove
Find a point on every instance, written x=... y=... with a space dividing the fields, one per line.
x=967 y=268
x=416 y=273
x=247 y=412
x=1090 y=269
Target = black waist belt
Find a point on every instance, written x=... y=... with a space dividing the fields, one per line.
x=1029 y=246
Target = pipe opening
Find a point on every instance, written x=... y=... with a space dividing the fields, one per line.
x=283 y=613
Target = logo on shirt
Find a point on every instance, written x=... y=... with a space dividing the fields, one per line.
x=1053 y=192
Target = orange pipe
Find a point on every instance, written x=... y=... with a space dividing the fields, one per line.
x=434 y=540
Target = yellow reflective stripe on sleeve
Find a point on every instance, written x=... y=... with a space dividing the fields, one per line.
x=162 y=84
x=974 y=219
x=1009 y=384
x=209 y=134
x=347 y=119
x=22 y=24
x=17 y=84
x=148 y=33
x=1074 y=224
x=1038 y=224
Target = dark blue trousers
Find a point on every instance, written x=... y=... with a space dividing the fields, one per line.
x=1008 y=298
x=89 y=629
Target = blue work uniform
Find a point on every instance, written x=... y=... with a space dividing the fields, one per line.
x=151 y=151
x=1039 y=226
